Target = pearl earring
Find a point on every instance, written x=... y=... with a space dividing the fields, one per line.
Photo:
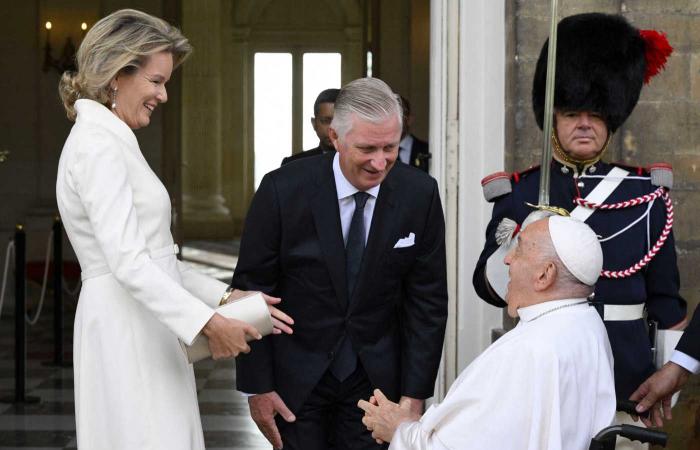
x=114 y=98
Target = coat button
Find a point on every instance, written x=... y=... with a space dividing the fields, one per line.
x=330 y=355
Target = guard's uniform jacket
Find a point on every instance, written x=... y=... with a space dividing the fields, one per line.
x=656 y=285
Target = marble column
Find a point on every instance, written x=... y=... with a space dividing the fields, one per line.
x=204 y=206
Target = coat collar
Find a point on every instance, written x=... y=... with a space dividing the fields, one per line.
x=90 y=111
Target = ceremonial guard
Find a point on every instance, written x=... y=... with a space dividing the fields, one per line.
x=601 y=64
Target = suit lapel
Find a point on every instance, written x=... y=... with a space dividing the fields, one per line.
x=380 y=232
x=324 y=207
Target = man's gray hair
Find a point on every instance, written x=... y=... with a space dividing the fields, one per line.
x=369 y=99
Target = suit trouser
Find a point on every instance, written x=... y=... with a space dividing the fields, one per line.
x=330 y=418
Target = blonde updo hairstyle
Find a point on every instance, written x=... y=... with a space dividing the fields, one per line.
x=120 y=42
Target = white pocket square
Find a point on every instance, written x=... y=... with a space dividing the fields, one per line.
x=406 y=242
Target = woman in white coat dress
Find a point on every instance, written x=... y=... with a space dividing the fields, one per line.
x=133 y=386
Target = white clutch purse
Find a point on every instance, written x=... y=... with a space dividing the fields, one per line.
x=251 y=309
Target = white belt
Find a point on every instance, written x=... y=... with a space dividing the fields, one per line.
x=623 y=312
x=155 y=254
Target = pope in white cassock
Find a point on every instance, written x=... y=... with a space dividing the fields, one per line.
x=545 y=385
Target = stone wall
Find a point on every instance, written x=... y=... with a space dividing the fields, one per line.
x=663 y=127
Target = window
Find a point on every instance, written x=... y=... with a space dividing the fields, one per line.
x=274 y=136
x=321 y=71
x=272 y=111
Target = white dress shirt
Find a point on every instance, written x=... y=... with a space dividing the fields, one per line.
x=346 y=201
x=687 y=362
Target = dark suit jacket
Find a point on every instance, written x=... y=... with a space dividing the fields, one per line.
x=305 y=154
x=420 y=155
x=690 y=341
x=292 y=247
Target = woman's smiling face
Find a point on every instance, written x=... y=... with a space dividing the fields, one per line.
x=139 y=92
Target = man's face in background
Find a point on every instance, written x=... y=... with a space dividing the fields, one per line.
x=321 y=123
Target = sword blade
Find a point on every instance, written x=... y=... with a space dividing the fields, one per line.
x=549 y=106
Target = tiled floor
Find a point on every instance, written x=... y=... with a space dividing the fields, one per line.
x=50 y=423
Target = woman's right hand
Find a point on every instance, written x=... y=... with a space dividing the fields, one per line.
x=227 y=337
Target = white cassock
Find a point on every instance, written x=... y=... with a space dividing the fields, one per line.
x=545 y=385
x=133 y=386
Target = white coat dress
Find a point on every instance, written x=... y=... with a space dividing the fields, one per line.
x=134 y=389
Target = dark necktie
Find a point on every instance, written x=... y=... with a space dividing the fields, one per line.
x=355 y=246
x=345 y=360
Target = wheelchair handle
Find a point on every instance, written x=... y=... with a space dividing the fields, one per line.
x=644 y=435
x=629 y=406
x=605 y=439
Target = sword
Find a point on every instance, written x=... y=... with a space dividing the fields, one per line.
x=549 y=106
x=496 y=272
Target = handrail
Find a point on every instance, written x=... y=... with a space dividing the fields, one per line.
x=44 y=283
x=10 y=251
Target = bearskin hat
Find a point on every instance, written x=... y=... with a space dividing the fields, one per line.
x=602 y=62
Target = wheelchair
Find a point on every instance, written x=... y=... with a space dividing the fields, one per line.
x=606 y=438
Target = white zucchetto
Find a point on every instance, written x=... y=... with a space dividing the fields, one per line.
x=578 y=248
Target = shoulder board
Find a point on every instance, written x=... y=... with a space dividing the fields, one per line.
x=501 y=183
x=496 y=185
x=660 y=173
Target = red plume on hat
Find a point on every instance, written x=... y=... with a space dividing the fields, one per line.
x=656 y=52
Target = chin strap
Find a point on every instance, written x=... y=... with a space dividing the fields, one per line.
x=574 y=163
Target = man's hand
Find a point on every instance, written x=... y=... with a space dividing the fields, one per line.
x=227 y=337
x=383 y=416
x=660 y=386
x=263 y=409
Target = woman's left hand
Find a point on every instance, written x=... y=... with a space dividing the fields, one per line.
x=281 y=322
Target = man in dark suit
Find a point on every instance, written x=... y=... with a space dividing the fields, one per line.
x=412 y=151
x=668 y=380
x=321 y=121
x=354 y=245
